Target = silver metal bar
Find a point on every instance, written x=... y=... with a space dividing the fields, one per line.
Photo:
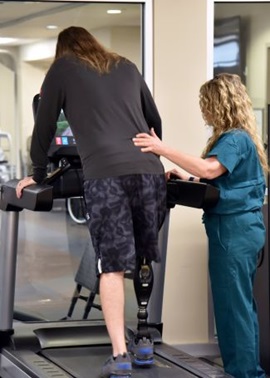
x=8 y=259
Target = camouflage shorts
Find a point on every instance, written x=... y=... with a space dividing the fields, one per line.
x=124 y=215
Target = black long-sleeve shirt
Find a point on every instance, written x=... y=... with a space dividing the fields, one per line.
x=104 y=112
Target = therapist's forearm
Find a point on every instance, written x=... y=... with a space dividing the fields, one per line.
x=196 y=166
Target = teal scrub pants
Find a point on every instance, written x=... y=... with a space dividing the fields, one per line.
x=234 y=243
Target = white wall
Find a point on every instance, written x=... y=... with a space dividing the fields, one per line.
x=30 y=84
x=7 y=112
x=180 y=67
x=127 y=42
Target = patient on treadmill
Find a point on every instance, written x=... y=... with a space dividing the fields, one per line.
x=235 y=162
x=106 y=102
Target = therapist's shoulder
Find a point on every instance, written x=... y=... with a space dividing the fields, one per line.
x=235 y=135
x=240 y=139
x=241 y=136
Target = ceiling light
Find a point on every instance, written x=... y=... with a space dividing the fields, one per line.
x=51 y=27
x=7 y=41
x=114 y=11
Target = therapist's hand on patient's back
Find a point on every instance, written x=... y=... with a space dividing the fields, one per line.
x=149 y=142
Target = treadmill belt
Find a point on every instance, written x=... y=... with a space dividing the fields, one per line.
x=86 y=362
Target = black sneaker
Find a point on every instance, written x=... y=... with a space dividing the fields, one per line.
x=119 y=366
x=142 y=350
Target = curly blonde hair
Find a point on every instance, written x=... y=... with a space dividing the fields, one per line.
x=226 y=106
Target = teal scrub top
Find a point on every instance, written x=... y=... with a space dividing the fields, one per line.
x=242 y=187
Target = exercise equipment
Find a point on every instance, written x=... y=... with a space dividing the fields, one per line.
x=85 y=278
x=79 y=348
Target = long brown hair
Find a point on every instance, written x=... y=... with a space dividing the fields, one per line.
x=78 y=42
x=226 y=105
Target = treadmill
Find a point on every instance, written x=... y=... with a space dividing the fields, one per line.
x=58 y=349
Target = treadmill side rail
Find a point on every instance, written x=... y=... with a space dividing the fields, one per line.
x=29 y=365
x=190 y=363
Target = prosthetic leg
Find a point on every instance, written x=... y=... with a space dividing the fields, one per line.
x=141 y=345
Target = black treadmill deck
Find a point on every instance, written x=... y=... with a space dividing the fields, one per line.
x=79 y=349
x=86 y=362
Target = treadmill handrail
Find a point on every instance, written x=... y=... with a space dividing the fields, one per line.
x=191 y=193
x=35 y=197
